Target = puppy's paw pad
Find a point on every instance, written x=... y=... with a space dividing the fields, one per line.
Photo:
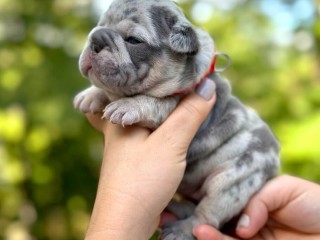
x=77 y=101
x=123 y=112
x=130 y=118
x=88 y=101
x=124 y=118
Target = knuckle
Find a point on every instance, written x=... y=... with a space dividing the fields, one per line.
x=192 y=109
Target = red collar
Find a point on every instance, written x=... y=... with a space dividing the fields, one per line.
x=207 y=74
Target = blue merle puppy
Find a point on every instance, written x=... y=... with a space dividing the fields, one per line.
x=141 y=58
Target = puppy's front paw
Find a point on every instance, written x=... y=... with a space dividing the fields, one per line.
x=123 y=111
x=179 y=230
x=91 y=100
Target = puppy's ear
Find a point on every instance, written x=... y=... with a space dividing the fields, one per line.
x=183 y=39
x=172 y=26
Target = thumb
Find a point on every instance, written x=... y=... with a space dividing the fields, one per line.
x=206 y=232
x=185 y=120
x=256 y=214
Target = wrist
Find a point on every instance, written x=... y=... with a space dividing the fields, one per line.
x=118 y=216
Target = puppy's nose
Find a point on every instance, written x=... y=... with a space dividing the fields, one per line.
x=101 y=39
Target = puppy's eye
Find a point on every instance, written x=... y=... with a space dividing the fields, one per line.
x=133 y=40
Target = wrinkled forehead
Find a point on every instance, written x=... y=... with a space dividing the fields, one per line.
x=142 y=14
x=121 y=9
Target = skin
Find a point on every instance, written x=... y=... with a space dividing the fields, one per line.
x=132 y=189
x=286 y=208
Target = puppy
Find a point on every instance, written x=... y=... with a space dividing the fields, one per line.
x=141 y=58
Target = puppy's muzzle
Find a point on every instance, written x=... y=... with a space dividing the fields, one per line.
x=103 y=38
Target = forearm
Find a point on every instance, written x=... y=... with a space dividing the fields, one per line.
x=114 y=219
x=117 y=214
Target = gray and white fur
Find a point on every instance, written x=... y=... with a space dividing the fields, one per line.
x=138 y=56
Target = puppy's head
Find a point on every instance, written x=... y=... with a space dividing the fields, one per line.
x=145 y=46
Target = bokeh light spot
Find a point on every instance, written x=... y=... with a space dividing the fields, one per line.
x=11 y=79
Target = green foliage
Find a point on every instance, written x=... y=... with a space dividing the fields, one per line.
x=50 y=156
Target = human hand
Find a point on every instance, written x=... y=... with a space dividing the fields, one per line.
x=141 y=170
x=286 y=208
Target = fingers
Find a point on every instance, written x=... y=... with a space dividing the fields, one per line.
x=96 y=121
x=186 y=119
x=279 y=199
x=206 y=232
x=256 y=214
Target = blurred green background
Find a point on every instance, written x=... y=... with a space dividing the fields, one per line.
x=50 y=156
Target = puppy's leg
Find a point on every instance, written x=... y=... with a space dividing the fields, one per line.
x=226 y=195
x=182 y=209
x=91 y=100
x=219 y=205
x=225 y=199
x=143 y=110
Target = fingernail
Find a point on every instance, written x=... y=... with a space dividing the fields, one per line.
x=244 y=221
x=206 y=89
